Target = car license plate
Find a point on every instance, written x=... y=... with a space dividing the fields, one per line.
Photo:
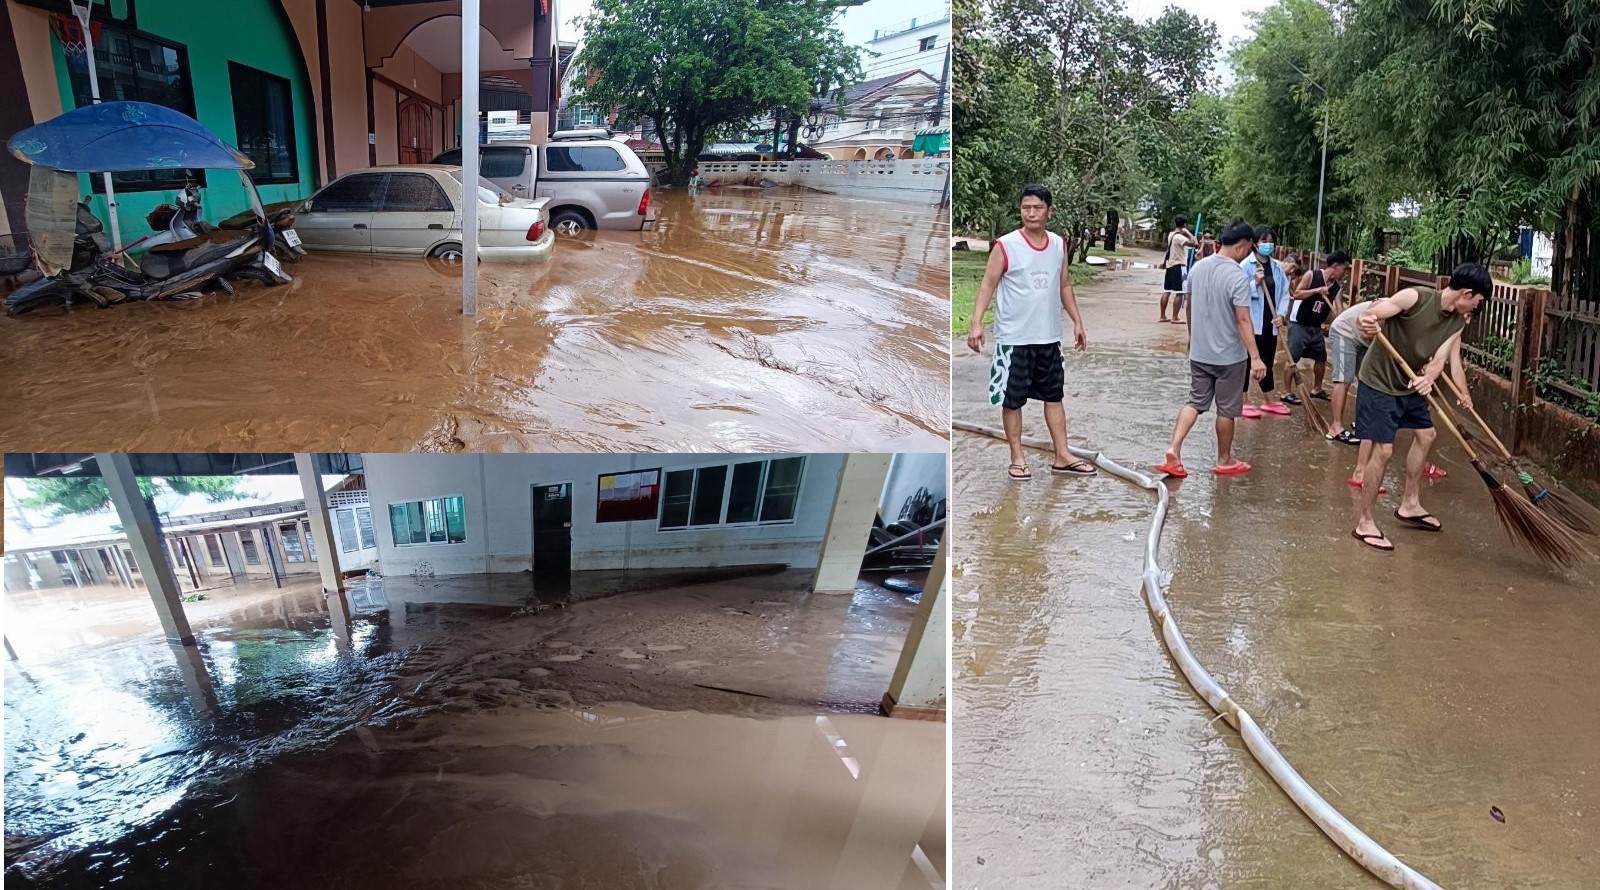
x=273 y=265
x=291 y=236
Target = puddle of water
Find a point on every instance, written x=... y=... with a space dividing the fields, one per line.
x=435 y=744
x=1414 y=691
x=747 y=322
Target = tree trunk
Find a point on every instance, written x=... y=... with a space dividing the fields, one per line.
x=794 y=136
x=1112 y=220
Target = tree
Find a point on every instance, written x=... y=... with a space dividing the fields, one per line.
x=693 y=68
x=1487 y=114
x=89 y=494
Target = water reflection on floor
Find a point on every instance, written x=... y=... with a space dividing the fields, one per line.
x=747 y=321
x=485 y=731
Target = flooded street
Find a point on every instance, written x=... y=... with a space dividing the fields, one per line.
x=1414 y=691
x=651 y=730
x=750 y=320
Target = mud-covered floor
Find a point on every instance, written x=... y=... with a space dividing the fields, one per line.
x=748 y=320
x=463 y=734
x=1415 y=690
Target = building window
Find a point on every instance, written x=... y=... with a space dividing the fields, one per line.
x=926 y=44
x=141 y=69
x=263 y=122
x=247 y=543
x=292 y=550
x=749 y=493
x=434 y=521
x=369 y=540
x=347 y=531
x=214 y=550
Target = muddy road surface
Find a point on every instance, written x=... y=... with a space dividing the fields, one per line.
x=477 y=732
x=1415 y=691
x=749 y=320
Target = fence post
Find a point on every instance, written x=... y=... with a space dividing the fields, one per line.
x=1525 y=356
x=1391 y=280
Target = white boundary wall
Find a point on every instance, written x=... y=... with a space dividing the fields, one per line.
x=915 y=181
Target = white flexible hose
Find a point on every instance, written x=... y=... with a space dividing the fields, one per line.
x=1352 y=840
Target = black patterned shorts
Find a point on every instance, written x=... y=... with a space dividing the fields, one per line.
x=1020 y=373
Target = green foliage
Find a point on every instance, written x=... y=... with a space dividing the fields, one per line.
x=88 y=494
x=697 y=68
x=1068 y=95
x=1522 y=273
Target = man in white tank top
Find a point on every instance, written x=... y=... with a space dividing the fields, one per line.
x=1028 y=280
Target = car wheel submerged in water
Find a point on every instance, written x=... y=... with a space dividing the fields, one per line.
x=449 y=254
x=570 y=224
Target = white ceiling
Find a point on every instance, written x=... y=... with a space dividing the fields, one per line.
x=439 y=41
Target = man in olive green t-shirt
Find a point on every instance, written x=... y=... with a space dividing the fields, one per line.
x=1424 y=325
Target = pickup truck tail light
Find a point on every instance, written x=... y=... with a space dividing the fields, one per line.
x=644 y=202
x=536 y=231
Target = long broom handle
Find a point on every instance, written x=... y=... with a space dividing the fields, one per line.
x=1476 y=419
x=1439 y=409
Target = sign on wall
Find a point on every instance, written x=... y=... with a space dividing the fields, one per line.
x=629 y=497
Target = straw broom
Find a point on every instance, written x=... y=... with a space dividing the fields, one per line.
x=1576 y=515
x=1524 y=523
x=1317 y=420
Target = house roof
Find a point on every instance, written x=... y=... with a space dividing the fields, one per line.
x=868 y=87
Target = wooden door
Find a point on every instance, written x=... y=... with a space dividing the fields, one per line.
x=416 y=132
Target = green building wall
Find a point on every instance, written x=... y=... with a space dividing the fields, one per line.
x=212 y=33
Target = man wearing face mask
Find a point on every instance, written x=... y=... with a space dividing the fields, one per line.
x=1269 y=302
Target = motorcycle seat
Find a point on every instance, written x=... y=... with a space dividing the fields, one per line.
x=174 y=259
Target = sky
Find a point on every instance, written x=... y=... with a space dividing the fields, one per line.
x=858 y=22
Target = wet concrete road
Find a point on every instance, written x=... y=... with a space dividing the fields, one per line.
x=460 y=735
x=749 y=321
x=1414 y=691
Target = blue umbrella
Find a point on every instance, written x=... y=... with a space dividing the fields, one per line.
x=114 y=137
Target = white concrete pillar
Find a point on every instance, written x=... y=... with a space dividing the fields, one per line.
x=919 y=686
x=145 y=541
x=855 y=503
x=469 y=156
x=322 y=533
x=233 y=555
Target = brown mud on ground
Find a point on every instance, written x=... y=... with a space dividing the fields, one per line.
x=1414 y=690
x=748 y=321
x=459 y=735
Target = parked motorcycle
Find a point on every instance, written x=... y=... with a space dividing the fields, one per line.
x=172 y=271
x=286 y=246
x=122 y=136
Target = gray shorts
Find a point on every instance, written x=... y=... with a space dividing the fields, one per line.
x=1342 y=358
x=1223 y=384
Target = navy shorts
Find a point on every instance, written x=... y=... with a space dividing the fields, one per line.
x=1379 y=415
x=1020 y=373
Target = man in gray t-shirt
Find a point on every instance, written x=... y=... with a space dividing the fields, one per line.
x=1222 y=350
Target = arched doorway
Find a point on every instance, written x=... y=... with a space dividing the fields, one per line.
x=861 y=154
x=885 y=154
x=415 y=122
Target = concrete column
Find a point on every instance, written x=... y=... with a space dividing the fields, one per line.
x=233 y=556
x=145 y=541
x=121 y=562
x=855 y=503
x=918 y=688
x=322 y=533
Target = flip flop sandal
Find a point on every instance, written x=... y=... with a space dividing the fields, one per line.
x=1072 y=469
x=1013 y=475
x=1420 y=522
x=1293 y=399
x=1237 y=468
x=1251 y=412
x=1277 y=408
x=1433 y=472
x=1175 y=470
x=1344 y=437
x=1319 y=394
x=1368 y=539
x=1356 y=483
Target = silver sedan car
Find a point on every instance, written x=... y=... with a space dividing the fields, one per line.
x=415 y=210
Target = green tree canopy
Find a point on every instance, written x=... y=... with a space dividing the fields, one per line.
x=695 y=68
x=89 y=494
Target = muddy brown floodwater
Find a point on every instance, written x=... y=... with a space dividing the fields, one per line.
x=749 y=320
x=1414 y=691
x=478 y=732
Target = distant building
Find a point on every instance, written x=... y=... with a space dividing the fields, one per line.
x=880 y=118
x=918 y=44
